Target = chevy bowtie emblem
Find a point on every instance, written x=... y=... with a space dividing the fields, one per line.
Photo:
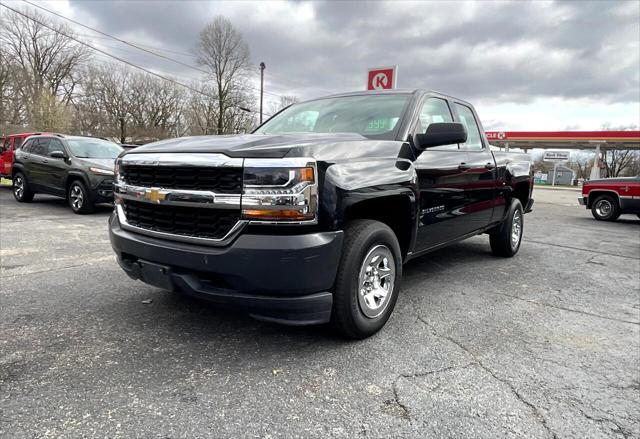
x=154 y=195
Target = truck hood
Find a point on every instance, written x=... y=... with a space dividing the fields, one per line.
x=611 y=180
x=251 y=145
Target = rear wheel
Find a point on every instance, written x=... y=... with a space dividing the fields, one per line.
x=21 y=191
x=368 y=280
x=605 y=208
x=79 y=199
x=505 y=240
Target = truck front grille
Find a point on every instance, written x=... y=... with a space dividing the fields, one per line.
x=177 y=220
x=216 y=179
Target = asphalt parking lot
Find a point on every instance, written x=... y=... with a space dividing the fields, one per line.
x=544 y=345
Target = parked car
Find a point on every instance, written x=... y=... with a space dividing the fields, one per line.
x=79 y=169
x=310 y=218
x=608 y=198
x=9 y=144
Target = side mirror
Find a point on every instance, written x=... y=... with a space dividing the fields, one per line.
x=57 y=155
x=441 y=133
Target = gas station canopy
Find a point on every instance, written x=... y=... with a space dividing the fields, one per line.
x=565 y=139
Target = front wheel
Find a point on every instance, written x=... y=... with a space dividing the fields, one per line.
x=605 y=208
x=505 y=240
x=78 y=197
x=369 y=275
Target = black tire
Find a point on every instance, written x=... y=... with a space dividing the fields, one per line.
x=79 y=198
x=503 y=239
x=354 y=315
x=605 y=208
x=21 y=191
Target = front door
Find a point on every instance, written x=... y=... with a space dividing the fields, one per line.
x=442 y=179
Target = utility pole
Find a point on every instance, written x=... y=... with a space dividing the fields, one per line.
x=262 y=67
x=122 y=136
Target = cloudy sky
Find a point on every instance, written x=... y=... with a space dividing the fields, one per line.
x=525 y=65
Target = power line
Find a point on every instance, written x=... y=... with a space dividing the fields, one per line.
x=190 y=55
x=116 y=38
x=136 y=46
x=116 y=57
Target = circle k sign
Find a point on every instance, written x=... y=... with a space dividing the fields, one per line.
x=382 y=78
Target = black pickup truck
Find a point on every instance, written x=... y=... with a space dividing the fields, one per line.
x=310 y=218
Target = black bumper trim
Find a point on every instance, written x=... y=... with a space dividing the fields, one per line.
x=284 y=279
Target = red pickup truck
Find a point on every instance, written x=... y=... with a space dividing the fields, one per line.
x=610 y=197
x=9 y=144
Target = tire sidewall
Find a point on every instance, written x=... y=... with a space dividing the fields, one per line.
x=352 y=264
x=500 y=238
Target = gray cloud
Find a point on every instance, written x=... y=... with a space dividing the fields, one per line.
x=489 y=51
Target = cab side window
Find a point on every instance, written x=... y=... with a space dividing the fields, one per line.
x=6 y=144
x=474 y=139
x=434 y=110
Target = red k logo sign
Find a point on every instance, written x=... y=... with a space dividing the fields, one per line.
x=381 y=78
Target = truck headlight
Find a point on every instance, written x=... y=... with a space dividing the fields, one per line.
x=280 y=190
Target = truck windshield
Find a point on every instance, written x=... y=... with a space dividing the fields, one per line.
x=94 y=148
x=373 y=116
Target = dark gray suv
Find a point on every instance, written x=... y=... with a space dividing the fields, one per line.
x=77 y=168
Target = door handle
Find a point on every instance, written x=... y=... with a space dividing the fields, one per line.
x=45 y=161
x=463 y=166
x=489 y=166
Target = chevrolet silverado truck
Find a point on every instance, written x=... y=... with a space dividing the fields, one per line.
x=310 y=218
x=608 y=198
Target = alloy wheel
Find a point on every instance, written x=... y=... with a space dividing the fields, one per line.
x=18 y=187
x=376 y=280
x=77 y=197
x=516 y=229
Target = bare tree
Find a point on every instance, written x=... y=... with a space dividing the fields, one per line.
x=48 y=57
x=284 y=102
x=634 y=166
x=581 y=165
x=616 y=161
x=223 y=51
x=202 y=111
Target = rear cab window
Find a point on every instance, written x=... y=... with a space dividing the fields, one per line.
x=474 y=138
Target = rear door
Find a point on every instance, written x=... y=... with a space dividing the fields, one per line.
x=38 y=162
x=480 y=182
x=442 y=181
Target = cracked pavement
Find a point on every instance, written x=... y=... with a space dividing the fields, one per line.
x=544 y=345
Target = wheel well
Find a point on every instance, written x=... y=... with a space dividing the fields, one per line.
x=394 y=211
x=71 y=179
x=521 y=192
x=595 y=194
